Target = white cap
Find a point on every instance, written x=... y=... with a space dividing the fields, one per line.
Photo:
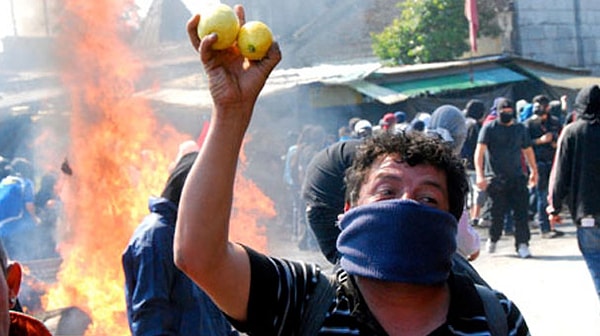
x=361 y=124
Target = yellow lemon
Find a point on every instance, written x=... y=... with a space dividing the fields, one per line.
x=220 y=19
x=254 y=40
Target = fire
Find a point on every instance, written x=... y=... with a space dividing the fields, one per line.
x=119 y=154
x=249 y=206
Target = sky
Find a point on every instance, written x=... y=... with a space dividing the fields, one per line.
x=25 y=9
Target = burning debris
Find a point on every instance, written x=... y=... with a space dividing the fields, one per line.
x=118 y=156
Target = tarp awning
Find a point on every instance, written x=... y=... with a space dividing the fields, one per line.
x=398 y=91
x=459 y=81
x=380 y=93
x=564 y=80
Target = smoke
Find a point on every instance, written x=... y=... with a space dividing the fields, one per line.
x=276 y=116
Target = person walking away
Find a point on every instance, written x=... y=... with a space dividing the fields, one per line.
x=575 y=180
x=160 y=299
x=18 y=219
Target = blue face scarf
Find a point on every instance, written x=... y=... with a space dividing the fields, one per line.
x=398 y=240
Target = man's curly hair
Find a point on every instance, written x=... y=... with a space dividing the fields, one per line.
x=414 y=148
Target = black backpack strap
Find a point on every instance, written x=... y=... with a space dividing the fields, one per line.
x=495 y=315
x=462 y=266
x=321 y=300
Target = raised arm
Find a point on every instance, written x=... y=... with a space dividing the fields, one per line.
x=202 y=249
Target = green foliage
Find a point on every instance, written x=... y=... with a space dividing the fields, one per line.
x=427 y=31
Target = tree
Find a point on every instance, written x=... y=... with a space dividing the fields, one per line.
x=430 y=31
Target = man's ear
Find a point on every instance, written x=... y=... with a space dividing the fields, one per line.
x=346 y=206
x=14 y=275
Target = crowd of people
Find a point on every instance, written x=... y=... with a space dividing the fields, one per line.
x=29 y=210
x=508 y=154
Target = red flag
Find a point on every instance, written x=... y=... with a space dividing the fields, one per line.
x=473 y=18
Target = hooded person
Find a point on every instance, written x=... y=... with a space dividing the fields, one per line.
x=574 y=178
x=160 y=299
x=451 y=119
x=449 y=123
x=499 y=104
x=474 y=113
x=587 y=104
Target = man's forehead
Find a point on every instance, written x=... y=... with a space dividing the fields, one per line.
x=395 y=161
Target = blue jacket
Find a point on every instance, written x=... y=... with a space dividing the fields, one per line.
x=162 y=300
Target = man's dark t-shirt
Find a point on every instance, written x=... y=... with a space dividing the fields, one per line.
x=537 y=128
x=504 y=145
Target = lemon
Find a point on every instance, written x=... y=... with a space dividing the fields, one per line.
x=220 y=19
x=254 y=40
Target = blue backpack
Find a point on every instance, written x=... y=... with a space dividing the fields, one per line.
x=12 y=200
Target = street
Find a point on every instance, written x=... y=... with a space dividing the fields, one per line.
x=553 y=289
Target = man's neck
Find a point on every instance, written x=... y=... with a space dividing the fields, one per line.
x=406 y=309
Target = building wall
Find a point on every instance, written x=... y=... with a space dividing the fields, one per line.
x=561 y=32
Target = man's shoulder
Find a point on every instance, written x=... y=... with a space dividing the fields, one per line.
x=153 y=231
x=531 y=122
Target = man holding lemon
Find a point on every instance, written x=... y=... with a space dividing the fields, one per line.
x=405 y=193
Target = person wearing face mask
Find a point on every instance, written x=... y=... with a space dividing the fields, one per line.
x=543 y=129
x=405 y=193
x=324 y=187
x=499 y=171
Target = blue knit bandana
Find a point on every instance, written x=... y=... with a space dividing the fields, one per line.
x=398 y=240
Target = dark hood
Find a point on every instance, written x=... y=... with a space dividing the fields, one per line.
x=587 y=103
x=174 y=185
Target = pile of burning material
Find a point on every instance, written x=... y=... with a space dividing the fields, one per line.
x=37 y=277
x=70 y=321
x=119 y=154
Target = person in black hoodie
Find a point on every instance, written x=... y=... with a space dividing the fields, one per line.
x=575 y=177
x=474 y=113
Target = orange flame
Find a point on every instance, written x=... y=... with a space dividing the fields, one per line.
x=250 y=205
x=119 y=154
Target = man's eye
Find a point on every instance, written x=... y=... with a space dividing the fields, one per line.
x=386 y=192
x=428 y=200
